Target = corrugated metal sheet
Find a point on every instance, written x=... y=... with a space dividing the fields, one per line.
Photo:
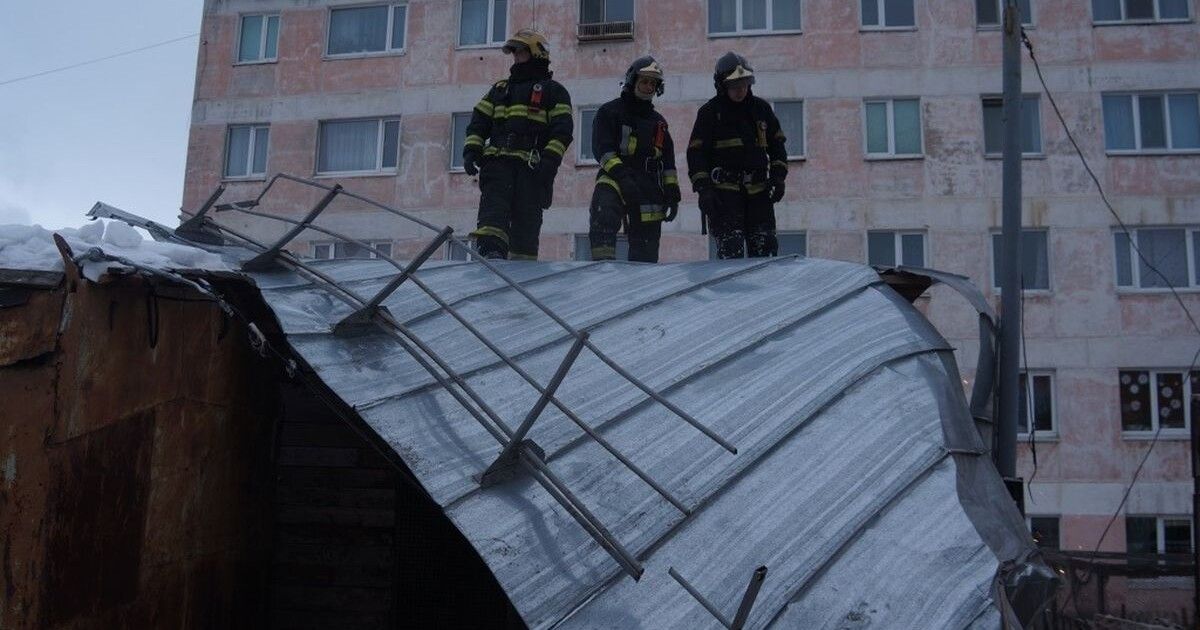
x=842 y=399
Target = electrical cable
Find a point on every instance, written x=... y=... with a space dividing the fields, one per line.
x=96 y=60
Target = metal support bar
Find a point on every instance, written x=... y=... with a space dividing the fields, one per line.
x=605 y=444
x=356 y=321
x=266 y=260
x=748 y=598
x=501 y=468
x=199 y=228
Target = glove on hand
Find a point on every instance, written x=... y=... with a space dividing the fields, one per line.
x=672 y=211
x=471 y=162
x=777 y=189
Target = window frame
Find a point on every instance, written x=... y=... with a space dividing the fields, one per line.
x=738 y=31
x=332 y=245
x=1137 y=122
x=897 y=243
x=1160 y=543
x=1167 y=433
x=454 y=150
x=1190 y=233
x=1125 y=21
x=994 y=232
x=580 y=22
x=1029 y=527
x=1025 y=155
x=891 y=120
x=391 y=23
x=880 y=4
x=262 y=40
x=803 y=155
x=379 y=170
x=250 y=174
x=491 y=22
x=1026 y=21
x=579 y=159
x=1030 y=404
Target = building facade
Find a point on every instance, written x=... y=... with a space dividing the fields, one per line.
x=892 y=114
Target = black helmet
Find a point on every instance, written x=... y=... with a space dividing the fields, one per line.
x=730 y=67
x=644 y=67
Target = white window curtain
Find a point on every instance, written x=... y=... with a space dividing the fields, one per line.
x=349 y=146
x=360 y=29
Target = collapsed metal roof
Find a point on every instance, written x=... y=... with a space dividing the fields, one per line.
x=712 y=418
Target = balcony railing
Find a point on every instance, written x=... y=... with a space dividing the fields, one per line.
x=605 y=30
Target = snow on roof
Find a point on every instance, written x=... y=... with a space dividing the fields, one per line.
x=860 y=480
x=31 y=247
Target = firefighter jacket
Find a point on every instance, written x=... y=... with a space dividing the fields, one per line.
x=631 y=141
x=527 y=116
x=741 y=141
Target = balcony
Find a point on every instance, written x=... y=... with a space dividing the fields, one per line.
x=601 y=31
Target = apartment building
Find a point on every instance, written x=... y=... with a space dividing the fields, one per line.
x=892 y=113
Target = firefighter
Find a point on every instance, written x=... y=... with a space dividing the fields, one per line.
x=637 y=184
x=737 y=162
x=515 y=142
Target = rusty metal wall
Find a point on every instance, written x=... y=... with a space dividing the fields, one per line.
x=136 y=430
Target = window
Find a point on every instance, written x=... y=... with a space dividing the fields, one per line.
x=741 y=17
x=583 y=247
x=458 y=138
x=991 y=12
x=1151 y=122
x=246 y=151
x=791 y=121
x=259 y=38
x=601 y=11
x=373 y=29
x=1035 y=263
x=885 y=14
x=348 y=146
x=1173 y=251
x=1158 y=534
x=1157 y=398
x=326 y=250
x=993 y=125
x=1038 y=403
x=893 y=128
x=483 y=22
x=889 y=248
x=790 y=243
x=1044 y=530
x=587 y=115
x=1117 y=11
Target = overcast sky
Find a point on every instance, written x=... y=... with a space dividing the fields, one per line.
x=114 y=131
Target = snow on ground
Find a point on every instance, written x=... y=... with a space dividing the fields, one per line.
x=31 y=247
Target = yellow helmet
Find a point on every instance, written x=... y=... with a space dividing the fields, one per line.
x=528 y=38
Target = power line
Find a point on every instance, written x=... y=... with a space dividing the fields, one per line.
x=1133 y=244
x=96 y=60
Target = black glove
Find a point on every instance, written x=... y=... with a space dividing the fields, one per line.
x=630 y=193
x=672 y=193
x=777 y=189
x=471 y=162
x=672 y=210
x=709 y=200
x=544 y=171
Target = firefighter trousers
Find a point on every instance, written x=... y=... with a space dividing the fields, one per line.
x=606 y=212
x=743 y=224
x=511 y=201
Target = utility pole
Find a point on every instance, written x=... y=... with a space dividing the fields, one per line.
x=1010 y=240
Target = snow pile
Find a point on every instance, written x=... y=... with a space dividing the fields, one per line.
x=31 y=247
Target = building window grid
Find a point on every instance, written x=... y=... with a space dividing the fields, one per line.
x=1169 y=131
x=1046 y=530
x=988 y=23
x=891 y=129
x=1030 y=237
x=390 y=33
x=608 y=13
x=1129 y=264
x=1178 y=542
x=796 y=107
x=1122 y=6
x=491 y=39
x=902 y=250
x=739 y=28
x=1041 y=391
x=330 y=250
x=881 y=23
x=382 y=165
x=1131 y=381
x=258 y=135
x=268 y=39
x=1030 y=105
x=458 y=135
x=583 y=150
